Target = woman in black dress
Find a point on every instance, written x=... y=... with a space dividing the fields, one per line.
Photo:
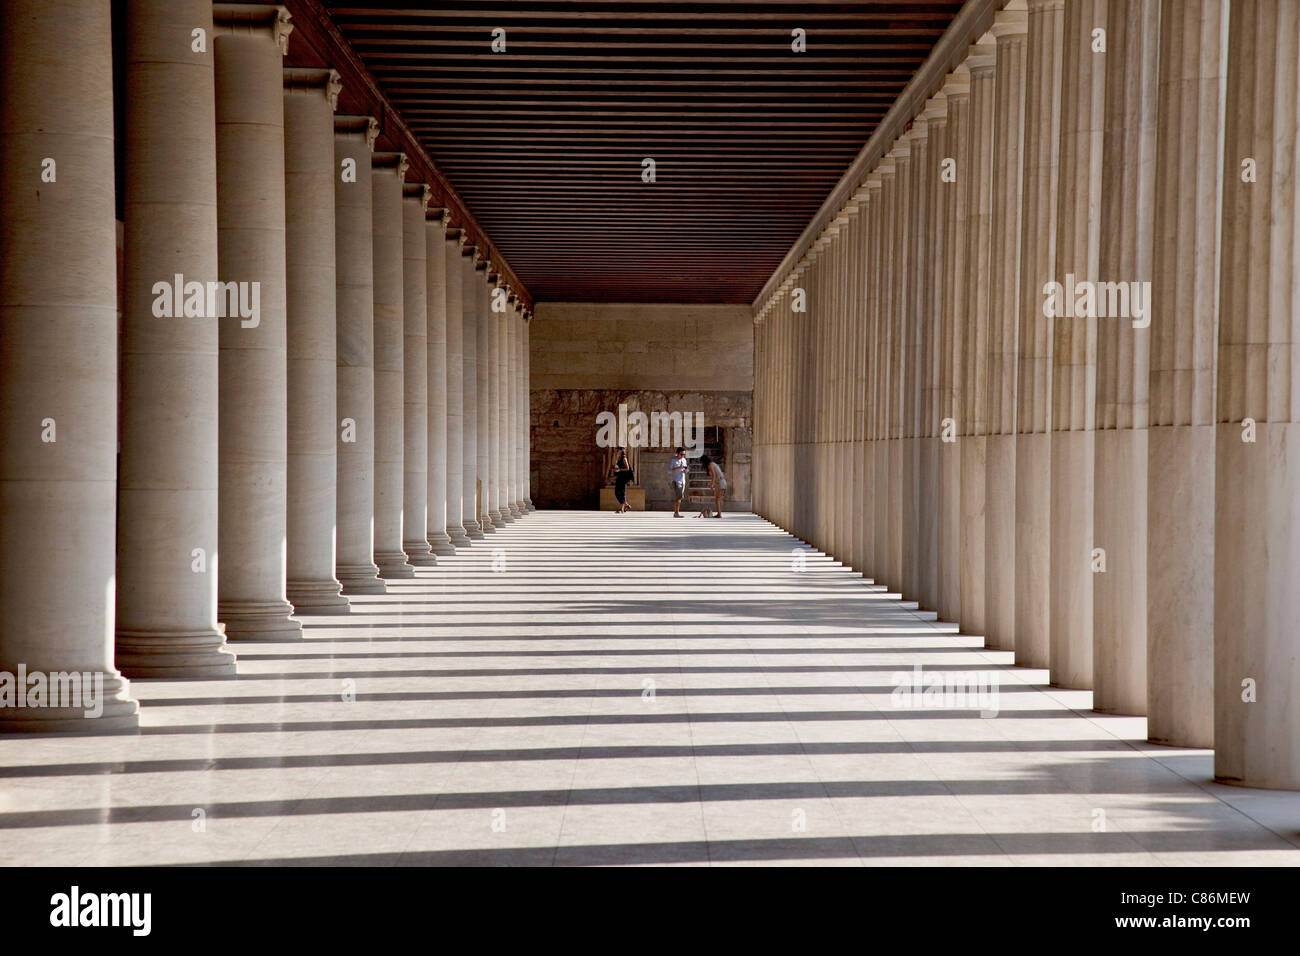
x=622 y=475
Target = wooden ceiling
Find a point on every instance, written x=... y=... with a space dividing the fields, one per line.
x=545 y=142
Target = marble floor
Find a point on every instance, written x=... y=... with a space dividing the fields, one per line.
x=589 y=688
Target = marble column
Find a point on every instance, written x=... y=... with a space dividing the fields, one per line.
x=388 y=171
x=972 y=425
x=1074 y=366
x=58 y=375
x=1034 y=373
x=484 y=406
x=1189 y=186
x=455 y=391
x=435 y=229
x=354 y=138
x=249 y=43
x=415 y=372
x=1257 y=480
x=492 y=320
x=951 y=339
x=881 y=184
x=1009 y=30
x=310 y=97
x=470 y=428
x=1119 y=597
x=913 y=244
x=513 y=321
x=503 y=392
x=167 y=461
x=526 y=414
x=933 y=125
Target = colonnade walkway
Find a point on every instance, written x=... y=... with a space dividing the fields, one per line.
x=588 y=688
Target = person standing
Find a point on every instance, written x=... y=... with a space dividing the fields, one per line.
x=677 y=468
x=622 y=476
x=717 y=485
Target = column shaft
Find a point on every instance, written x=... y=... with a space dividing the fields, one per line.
x=436 y=379
x=249 y=44
x=58 y=376
x=415 y=376
x=470 y=428
x=455 y=392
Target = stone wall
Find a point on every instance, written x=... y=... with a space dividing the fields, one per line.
x=568 y=466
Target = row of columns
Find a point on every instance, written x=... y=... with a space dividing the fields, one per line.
x=1110 y=497
x=331 y=430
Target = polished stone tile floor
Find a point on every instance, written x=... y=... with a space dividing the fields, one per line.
x=590 y=688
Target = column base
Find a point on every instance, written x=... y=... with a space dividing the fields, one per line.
x=515 y=510
x=259 y=621
x=440 y=543
x=119 y=713
x=393 y=565
x=457 y=536
x=360 y=579
x=531 y=506
x=418 y=554
x=316 y=597
x=472 y=530
x=498 y=519
x=201 y=654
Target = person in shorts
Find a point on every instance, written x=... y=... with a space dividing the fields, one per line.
x=677 y=468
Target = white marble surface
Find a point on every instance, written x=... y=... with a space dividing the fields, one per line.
x=522 y=692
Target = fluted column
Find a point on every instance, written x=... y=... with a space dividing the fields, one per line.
x=354 y=138
x=1074 y=368
x=249 y=43
x=58 y=376
x=934 y=120
x=470 y=427
x=1257 y=481
x=1034 y=376
x=1009 y=30
x=951 y=338
x=388 y=171
x=455 y=391
x=1120 y=509
x=973 y=425
x=436 y=380
x=1189 y=183
x=167 y=463
x=880 y=182
x=310 y=96
x=415 y=371
x=914 y=243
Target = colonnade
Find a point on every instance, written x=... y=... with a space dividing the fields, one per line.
x=1094 y=475
x=317 y=372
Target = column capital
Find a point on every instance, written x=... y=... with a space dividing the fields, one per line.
x=957 y=84
x=982 y=56
x=366 y=126
x=936 y=107
x=394 y=161
x=420 y=192
x=1010 y=22
x=253 y=18
x=299 y=79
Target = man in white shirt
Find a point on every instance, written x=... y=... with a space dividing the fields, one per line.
x=677 y=468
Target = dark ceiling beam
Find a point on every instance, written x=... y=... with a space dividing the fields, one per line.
x=361 y=95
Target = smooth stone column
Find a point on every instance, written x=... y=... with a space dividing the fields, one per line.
x=1009 y=30
x=496 y=408
x=250 y=42
x=415 y=365
x=881 y=180
x=512 y=380
x=387 y=173
x=167 y=462
x=1257 y=482
x=470 y=419
x=1074 y=368
x=973 y=425
x=436 y=379
x=1034 y=385
x=1189 y=184
x=1119 y=599
x=354 y=138
x=455 y=391
x=483 y=390
x=310 y=97
x=951 y=334
x=58 y=366
x=526 y=414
